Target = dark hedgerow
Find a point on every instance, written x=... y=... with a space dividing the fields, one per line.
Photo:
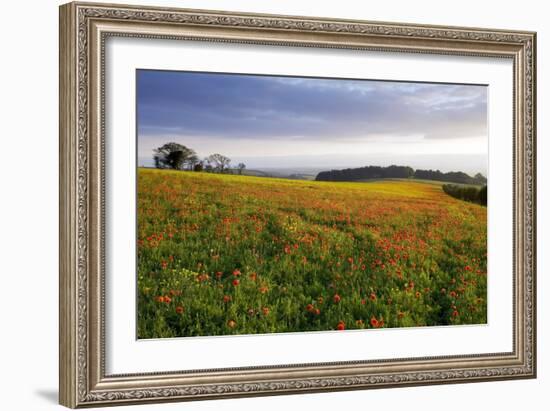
x=467 y=193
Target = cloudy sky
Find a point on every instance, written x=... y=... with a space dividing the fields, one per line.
x=294 y=122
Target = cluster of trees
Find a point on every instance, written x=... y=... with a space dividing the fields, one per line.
x=467 y=193
x=452 y=177
x=179 y=157
x=365 y=173
x=375 y=172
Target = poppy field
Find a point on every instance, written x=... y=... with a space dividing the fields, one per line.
x=222 y=254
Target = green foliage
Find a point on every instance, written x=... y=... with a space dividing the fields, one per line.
x=365 y=173
x=467 y=193
x=174 y=156
x=376 y=172
x=482 y=197
x=452 y=177
x=226 y=254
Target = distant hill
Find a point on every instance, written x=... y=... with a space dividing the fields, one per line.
x=393 y=171
x=257 y=173
x=300 y=176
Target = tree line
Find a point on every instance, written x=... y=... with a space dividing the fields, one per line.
x=176 y=156
x=467 y=193
x=393 y=171
x=452 y=177
x=365 y=173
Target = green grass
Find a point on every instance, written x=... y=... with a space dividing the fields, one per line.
x=306 y=255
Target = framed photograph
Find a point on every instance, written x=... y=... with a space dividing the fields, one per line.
x=259 y=204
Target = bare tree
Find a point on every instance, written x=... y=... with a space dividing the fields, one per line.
x=241 y=167
x=192 y=161
x=207 y=165
x=219 y=162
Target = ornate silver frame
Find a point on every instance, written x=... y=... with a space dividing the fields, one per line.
x=83 y=30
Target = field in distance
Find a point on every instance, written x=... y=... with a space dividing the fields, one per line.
x=227 y=254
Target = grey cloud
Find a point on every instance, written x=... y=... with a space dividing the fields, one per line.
x=239 y=106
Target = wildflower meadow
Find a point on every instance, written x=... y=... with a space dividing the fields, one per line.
x=223 y=254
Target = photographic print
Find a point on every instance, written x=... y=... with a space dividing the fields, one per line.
x=239 y=191
x=273 y=204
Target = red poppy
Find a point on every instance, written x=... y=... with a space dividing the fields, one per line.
x=236 y=282
x=231 y=324
x=203 y=277
x=336 y=298
x=309 y=307
x=341 y=326
x=167 y=300
x=179 y=309
x=455 y=313
x=374 y=322
x=226 y=298
x=219 y=275
x=236 y=272
x=372 y=297
x=317 y=311
x=452 y=294
x=160 y=299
